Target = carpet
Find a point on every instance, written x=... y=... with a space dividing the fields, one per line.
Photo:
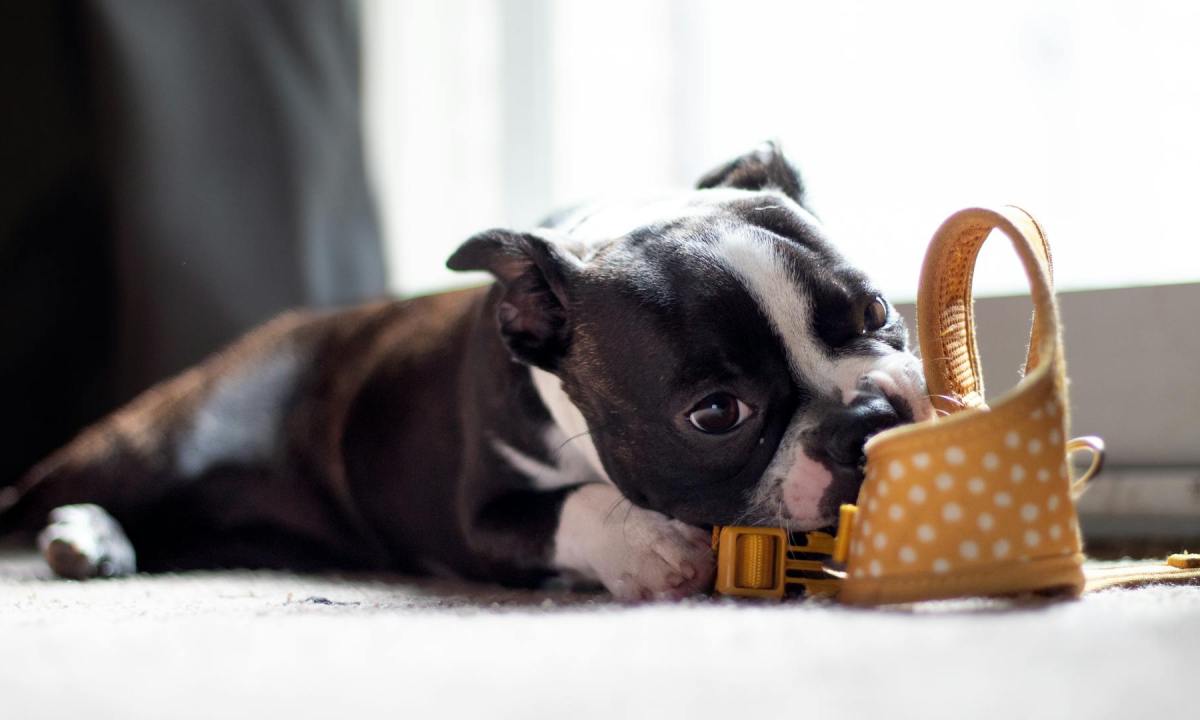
x=276 y=645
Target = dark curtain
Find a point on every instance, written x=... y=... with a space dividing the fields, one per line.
x=173 y=173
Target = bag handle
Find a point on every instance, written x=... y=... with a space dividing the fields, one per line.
x=945 y=321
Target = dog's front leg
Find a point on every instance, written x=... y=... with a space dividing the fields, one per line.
x=635 y=553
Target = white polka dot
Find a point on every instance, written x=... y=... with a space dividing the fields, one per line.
x=882 y=488
x=976 y=485
x=968 y=549
x=1043 y=475
x=1032 y=538
x=908 y=555
x=916 y=494
x=859 y=547
x=1034 y=447
x=955 y=455
x=1012 y=439
x=896 y=469
x=880 y=541
x=1017 y=474
x=866 y=527
x=1052 y=503
x=951 y=512
x=858 y=572
x=944 y=481
x=986 y=522
x=1051 y=408
x=920 y=460
x=1000 y=548
x=1053 y=437
x=941 y=565
x=875 y=568
x=873 y=504
x=1036 y=414
x=1002 y=499
x=1055 y=531
x=896 y=513
x=925 y=533
x=1029 y=512
x=991 y=461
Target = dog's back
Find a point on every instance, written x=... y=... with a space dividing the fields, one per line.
x=263 y=455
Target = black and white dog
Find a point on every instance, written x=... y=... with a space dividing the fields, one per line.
x=634 y=375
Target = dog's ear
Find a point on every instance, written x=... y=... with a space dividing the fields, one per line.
x=536 y=276
x=763 y=167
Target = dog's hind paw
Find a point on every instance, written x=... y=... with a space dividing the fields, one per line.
x=84 y=541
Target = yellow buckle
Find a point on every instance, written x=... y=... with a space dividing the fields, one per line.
x=758 y=562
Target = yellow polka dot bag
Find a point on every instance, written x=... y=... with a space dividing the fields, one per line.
x=978 y=501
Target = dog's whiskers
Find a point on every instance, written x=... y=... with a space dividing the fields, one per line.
x=625 y=521
x=616 y=504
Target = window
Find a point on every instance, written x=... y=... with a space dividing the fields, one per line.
x=489 y=113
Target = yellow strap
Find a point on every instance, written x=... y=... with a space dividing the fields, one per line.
x=945 y=321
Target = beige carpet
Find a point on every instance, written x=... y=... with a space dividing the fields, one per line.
x=266 y=645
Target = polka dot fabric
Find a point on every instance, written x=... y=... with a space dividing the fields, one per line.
x=977 y=502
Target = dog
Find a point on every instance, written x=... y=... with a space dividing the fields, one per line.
x=636 y=373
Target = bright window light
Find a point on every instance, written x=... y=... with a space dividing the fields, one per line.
x=488 y=113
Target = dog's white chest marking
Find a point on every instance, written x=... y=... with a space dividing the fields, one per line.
x=239 y=421
x=569 y=464
x=575 y=435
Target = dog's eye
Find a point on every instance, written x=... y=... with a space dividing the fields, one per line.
x=876 y=314
x=718 y=413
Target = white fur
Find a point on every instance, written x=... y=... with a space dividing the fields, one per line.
x=84 y=541
x=568 y=419
x=637 y=554
x=803 y=487
x=240 y=419
x=793 y=483
x=755 y=258
x=570 y=467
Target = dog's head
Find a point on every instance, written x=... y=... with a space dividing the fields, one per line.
x=721 y=361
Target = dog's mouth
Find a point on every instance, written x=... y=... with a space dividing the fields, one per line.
x=831 y=470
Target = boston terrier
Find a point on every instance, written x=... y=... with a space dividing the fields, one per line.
x=635 y=374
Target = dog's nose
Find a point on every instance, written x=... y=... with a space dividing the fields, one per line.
x=855 y=423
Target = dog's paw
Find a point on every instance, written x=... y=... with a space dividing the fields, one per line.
x=84 y=541
x=652 y=557
x=637 y=554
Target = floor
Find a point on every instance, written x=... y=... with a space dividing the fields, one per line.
x=265 y=645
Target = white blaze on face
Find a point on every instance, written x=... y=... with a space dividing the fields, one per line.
x=758 y=261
